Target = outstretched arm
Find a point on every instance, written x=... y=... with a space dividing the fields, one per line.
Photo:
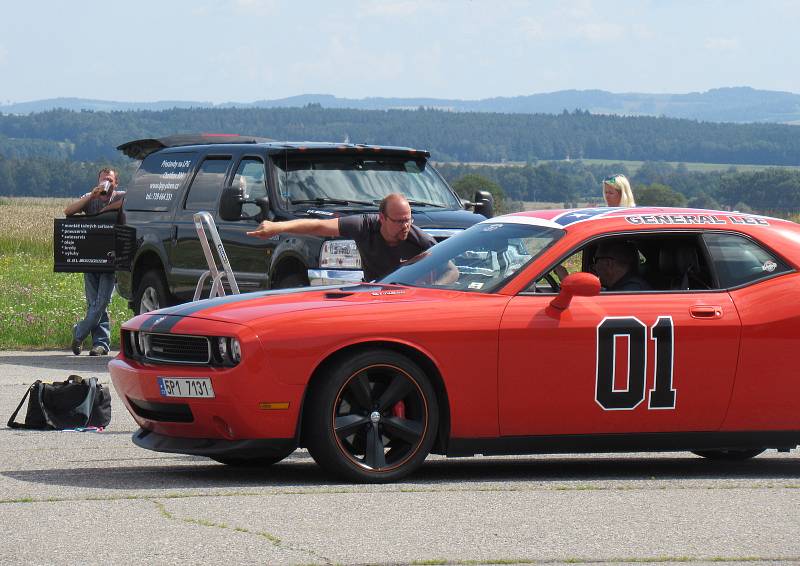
x=311 y=226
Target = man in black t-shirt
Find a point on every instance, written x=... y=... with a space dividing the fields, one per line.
x=384 y=240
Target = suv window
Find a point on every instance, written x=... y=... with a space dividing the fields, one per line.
x=158 y=180
x=360 y=180
x=207 y=184
x=250 y=175
x=739 y=260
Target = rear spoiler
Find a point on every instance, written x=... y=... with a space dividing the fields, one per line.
x=139 y=149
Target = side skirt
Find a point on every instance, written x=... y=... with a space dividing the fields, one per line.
x=641 y=442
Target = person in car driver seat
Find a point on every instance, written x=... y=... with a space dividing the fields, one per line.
x=616 y=263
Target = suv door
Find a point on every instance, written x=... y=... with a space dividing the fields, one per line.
x=186 y=254
x=249 y=257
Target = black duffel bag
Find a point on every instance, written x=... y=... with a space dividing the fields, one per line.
x=74 y=403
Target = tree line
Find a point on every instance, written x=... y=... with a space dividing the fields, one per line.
x=449 y=136
x=772 y=190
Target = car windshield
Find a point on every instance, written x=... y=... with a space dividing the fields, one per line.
x=480 y=259
x=359 y=181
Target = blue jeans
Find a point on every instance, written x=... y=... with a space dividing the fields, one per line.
x=98 y=288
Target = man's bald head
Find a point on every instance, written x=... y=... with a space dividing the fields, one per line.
x=395 y=217
x=392 y=199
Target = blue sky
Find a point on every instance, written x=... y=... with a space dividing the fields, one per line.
x=246 y=50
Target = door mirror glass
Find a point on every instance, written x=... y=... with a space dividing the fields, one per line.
x=230 y=205
x=484 y=203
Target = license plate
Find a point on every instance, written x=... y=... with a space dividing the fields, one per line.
x=185 y=387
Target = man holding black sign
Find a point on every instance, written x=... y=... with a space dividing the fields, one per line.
x=97 y=286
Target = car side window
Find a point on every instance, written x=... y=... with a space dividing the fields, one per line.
x=739 y=260
x=207 y=184
x=662 y=262
x=251 y=176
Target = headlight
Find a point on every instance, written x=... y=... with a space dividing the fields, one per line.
x=339 y=254
x=236 y=351
x=229 y=351
x=142 y=343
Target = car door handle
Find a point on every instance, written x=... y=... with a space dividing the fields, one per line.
x=706 y=311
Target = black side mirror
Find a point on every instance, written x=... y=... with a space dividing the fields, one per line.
x=484 y=203
x=230 y=205
x=263 y=205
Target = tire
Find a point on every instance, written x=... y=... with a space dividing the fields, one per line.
x=290 y=281
x=373 y=418
x=151 y=293
x=730 y=455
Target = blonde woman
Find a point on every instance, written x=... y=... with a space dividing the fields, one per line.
x=617 y=191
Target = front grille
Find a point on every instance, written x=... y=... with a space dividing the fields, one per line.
x=177 y=348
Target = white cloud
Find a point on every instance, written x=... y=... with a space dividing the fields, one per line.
x=3 y=55
x=599 y=31
x=583 y=10
x=642 y=32
x=257 y=7
x=533 y=28
x=393 y=9
x=721 y=44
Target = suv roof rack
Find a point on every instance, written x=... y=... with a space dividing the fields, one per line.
x=139 y=149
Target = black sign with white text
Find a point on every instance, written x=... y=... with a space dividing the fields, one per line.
x=87 y=243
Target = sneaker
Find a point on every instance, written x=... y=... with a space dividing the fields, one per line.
x=77 y=345
x=98 y=350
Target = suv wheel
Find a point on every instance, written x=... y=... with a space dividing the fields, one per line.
x=290 y=281
x=152 y=293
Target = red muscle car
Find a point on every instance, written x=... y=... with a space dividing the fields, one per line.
x=499 y=340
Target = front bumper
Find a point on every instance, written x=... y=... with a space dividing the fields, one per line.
x=334 y=276
x=252 y=448
x=246 y=404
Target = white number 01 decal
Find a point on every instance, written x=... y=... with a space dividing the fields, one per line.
x=662 y=395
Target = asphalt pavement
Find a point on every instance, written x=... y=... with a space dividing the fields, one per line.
x=95 y=498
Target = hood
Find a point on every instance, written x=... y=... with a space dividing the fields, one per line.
x=439 y=218
x=248 y=307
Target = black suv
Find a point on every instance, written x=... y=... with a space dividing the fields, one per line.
x=241 y=181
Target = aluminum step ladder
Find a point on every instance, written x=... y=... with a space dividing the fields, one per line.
x=203 y=221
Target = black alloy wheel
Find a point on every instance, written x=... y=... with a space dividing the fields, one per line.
x=374 y=420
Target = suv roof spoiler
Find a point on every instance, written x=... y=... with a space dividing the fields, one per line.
x=139 y=149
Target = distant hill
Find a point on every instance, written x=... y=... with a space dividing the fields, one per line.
x=734 y=104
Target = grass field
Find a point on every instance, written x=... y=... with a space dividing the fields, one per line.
x=37 y=306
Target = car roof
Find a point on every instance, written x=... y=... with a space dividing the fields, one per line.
x=605 y=218
x=582 y=223
x=139 y=149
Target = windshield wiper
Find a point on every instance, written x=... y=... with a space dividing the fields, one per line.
x=321 y=201
x=424 y=203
